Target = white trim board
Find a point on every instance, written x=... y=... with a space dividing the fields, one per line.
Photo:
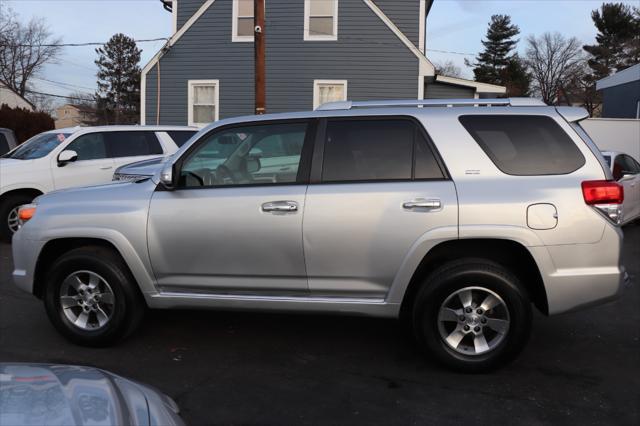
x=174 y=15
x=216 y=99
x=425 y=67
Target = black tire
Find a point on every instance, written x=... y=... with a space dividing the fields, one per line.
x=7 y=205
x=128 y=307
x=462 y=274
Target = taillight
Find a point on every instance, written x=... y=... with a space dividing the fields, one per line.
x=602 y=192
x=606 y=196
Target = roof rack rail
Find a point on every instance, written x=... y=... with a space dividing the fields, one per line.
x=342 y=105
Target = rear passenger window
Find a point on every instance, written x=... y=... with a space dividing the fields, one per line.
x=373 y=150
x=525 y=145
x=132 y=144
x=180 y=137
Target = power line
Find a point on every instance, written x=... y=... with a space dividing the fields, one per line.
x=60 y=83
x=91 y=43
x=51 y=94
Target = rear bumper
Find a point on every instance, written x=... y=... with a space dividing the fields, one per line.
x=583 y=275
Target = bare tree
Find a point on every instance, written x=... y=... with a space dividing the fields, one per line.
x=552 y=60
x=24 y=50
x=448 y=68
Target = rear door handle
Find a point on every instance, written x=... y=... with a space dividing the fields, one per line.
x=422 y=203
x=280 y=206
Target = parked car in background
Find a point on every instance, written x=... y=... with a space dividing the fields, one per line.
x=7 y=140
x=456 y=219
x=70 y=395
x=626 y=170
x=79 y=156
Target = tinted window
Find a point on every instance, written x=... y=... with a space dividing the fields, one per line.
x=180 y=137
x=425 y=163
x=250 y=155
x=624 y=165
x=89 y=147
x=370 y=150
x=133 y=143
x=525 y=145
x=4 y=144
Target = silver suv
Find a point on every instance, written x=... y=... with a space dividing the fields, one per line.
x=456 y=216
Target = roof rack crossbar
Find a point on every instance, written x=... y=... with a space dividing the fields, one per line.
x=330 y=106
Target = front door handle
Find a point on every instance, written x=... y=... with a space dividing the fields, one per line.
x=422 y=203
x=106 y=167
x=280 y=206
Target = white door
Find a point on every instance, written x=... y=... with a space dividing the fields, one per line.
x=92 y=167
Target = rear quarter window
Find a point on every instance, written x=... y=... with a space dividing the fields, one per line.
x=180 y=137
x=524 y=145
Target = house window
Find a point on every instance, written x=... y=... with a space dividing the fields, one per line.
x=320 y=19
x=203 y=102
x=329 y=91
x=242 y=26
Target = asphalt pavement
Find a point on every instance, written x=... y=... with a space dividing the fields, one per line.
x=255 y=368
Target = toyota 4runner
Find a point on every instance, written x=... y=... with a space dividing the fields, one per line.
x=457 y=216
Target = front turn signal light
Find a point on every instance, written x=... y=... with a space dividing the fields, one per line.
x=26 y=212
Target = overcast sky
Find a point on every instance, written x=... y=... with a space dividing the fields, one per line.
x=452 y=25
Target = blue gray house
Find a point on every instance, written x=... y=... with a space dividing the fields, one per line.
x=317 y=51
x=621 y=94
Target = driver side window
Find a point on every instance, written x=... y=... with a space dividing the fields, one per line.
x=89 y=147
x=248 y=155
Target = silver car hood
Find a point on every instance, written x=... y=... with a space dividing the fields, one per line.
x=142 y=168
x=44 y=394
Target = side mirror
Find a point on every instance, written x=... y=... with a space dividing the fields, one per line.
x=166 y=176
x=67 y=156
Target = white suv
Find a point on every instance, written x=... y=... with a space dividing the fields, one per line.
x=77 y=156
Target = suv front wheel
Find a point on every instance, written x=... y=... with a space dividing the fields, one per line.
x=9 y=222
x=472 y=315
x=91 y=297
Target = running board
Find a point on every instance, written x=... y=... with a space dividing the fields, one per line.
x=356 y=306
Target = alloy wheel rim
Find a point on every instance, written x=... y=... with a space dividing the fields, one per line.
x=87 y=300
x=473 y=321
x=13 y=220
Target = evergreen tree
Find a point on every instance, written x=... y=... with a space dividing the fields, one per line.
x=617 y=42
x=497 y=64
x=118 y=95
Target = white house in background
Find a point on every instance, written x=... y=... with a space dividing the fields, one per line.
x=11 y=98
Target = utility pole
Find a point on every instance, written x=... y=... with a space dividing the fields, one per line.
x=259 y=53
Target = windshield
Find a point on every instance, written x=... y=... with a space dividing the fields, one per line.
x=38 y=146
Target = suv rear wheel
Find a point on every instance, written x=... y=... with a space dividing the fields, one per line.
x=472 y=315
x=91 y=297
x=9 y=222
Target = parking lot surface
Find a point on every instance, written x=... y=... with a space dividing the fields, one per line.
x=256 y=368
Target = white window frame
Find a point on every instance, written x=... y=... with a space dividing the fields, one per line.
x=316 y=37
x=316 y=89
x=193 y=83
x=234 y=26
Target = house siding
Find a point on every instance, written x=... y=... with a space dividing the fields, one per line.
x=186 y=9
x=405 y=15
x=621 y=101
x=434 y=90
x=367 y=54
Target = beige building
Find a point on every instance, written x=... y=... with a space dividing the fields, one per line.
x=71 y=115
x=11 y=98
